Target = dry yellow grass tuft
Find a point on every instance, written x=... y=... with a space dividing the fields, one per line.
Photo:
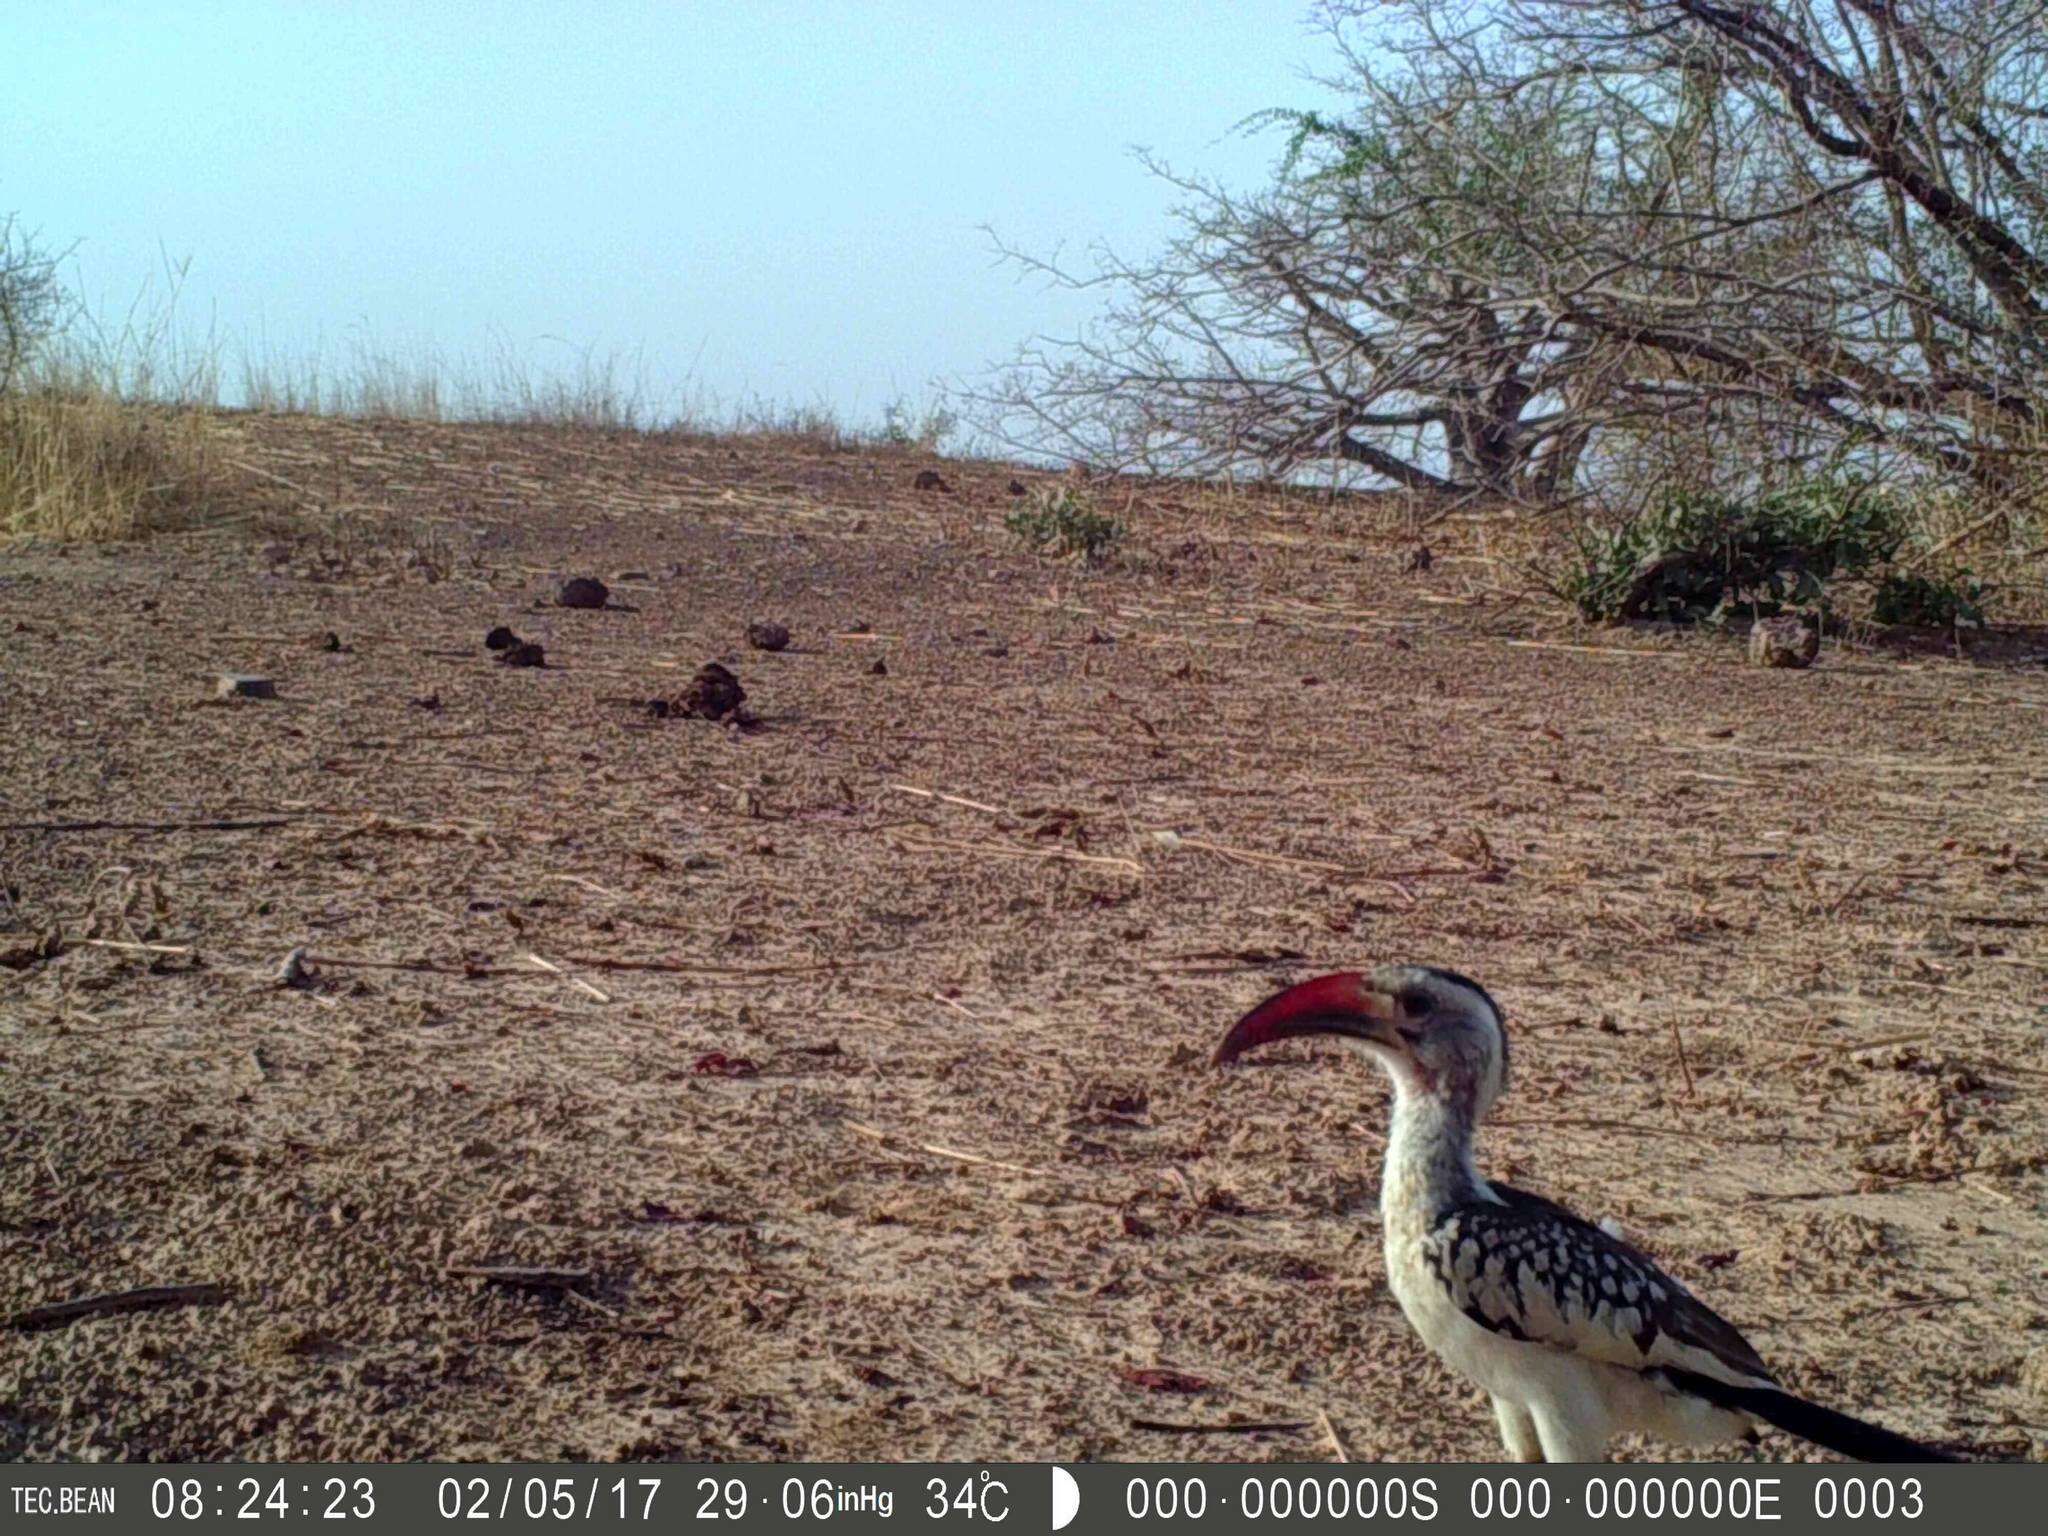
x=88 y=465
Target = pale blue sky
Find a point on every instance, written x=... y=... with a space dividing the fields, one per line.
x=786 y=193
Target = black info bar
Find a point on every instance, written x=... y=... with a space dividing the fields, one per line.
x=1086 y=1499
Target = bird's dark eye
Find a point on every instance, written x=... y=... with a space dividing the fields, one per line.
x=1414 y=1004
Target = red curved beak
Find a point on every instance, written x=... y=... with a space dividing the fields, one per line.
x=1344 y=1003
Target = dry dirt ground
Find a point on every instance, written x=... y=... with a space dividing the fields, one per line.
x=876 y=1123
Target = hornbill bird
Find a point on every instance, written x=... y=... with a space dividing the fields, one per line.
x=1577 y=1335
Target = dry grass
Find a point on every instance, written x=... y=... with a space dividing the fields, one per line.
x=88 y=466
x=106 y=418
x=379 y=381
x=2003 y=543
x=552 y=386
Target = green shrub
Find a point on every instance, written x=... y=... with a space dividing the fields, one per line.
x=1060 y=522
x=1936 y=602
x=1696 y=558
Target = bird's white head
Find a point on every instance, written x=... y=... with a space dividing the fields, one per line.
x=1437 y=1033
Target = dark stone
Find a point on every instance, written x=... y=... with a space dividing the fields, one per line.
x=500 y=639
x=763 y=635
x=523 y=653
x=930 y=480
x=583 y=592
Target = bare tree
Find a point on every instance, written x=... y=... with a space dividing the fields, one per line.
x=1552 y=243
x=1837 y=208
x=1339 y=318
x=31 y=300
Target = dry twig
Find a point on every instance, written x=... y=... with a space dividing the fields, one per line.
x=254 y=825
x=1330 y=1434
x=873 y=1133
x=1249 y=1427
x=204 y=1293
x=525 y=1277
x=575 y=981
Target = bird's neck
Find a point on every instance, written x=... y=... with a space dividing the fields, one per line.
x=1429 y=1165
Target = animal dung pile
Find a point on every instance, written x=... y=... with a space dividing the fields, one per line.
x=763 y=635
x=583 y=592
x=513 y=651
x=714 y=694
x=1783 y=642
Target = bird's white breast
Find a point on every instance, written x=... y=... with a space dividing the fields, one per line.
x=1499 y=1364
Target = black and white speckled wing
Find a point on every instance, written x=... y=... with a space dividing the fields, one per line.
x=1531 y=1270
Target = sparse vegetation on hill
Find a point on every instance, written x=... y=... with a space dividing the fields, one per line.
x=80 y=459
x=1063 y=523
x=105 y=426
x=1696 y=558
x=1700 y=558
x=90 y=466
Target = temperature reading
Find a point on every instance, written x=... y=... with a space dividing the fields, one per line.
x=979 y=1497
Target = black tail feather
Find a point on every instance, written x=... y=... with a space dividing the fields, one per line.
x=1824 y=1427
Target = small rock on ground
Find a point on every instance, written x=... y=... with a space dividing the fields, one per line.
x=243 y=685
x=523 y=653
x=295 y=972
x=763 y=635
x=1783 y=642
x=500 y=639
x=583 y=592
x=930 y=480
